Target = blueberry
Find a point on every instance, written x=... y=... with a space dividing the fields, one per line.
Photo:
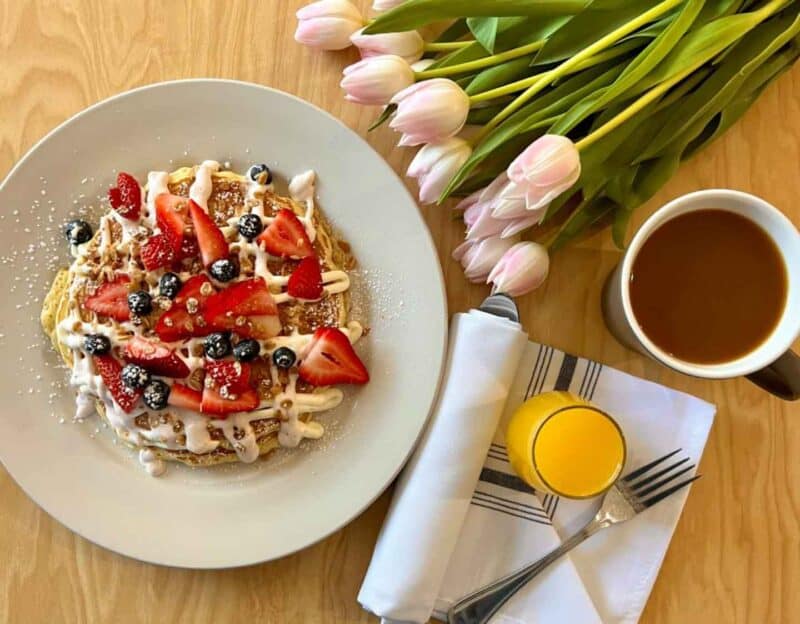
x=78 y=232
x=224 y=270
x=217 y=345
x=134 y=376
x=169 y=285
x=284 y=357
x=246 y=350
x=260 y=173
x=140 y=302
x=96 y=344
x=250 y=226
x=156 y=394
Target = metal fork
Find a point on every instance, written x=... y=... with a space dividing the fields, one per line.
x=629 y=496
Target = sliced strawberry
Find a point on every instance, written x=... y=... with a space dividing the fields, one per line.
x=155 y=357
x=189 y=248
x=157 y=252
x=330 y=359
x=183 y=396
x=111 y=299
x=210 y=238
x=111 y=372
x=214 y=403
x=286 y=237
x=126 y=197
x=234 y=375
x=171 y=216
x=246 y=307
x=305 y=282
x=179 y=322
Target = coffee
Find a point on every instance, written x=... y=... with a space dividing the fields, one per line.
x=708 y=286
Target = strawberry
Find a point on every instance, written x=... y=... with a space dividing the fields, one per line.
x=178 y=322
x=214 y=403
x=126 y=196
x=155 y=357
x=171 y=215
x=111 y=299
x=210 y=238
x=305 y=282
x=157 y=252
x=246 y=307
x=189 y=248
x=184 y=396
x=111 y=372
x=286 y=237
x=235 y=375
x=330 y=359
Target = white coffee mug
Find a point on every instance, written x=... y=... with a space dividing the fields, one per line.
x=772 y=365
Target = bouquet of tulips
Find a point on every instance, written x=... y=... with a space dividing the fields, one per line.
x=552 y=116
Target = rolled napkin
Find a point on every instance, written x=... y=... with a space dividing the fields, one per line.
x=433 y=494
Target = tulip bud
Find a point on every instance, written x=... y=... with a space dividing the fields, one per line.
x=375 y=80
x=430 y=111
x=327 y=24
x=407 y=44
x=522 y=269
x=385 y=5
x=478 y=257
x=435 y=165
x=547 y=168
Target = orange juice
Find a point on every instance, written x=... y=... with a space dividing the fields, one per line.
x=561 y=444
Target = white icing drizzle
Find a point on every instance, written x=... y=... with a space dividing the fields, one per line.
x=200 y=190
x=154 y=466
x=157 y=183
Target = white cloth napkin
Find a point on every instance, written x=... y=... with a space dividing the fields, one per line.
x=608 y=578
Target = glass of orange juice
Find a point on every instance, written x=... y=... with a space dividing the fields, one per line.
x=561 y=444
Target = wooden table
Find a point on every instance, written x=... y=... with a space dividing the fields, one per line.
x=736 y=553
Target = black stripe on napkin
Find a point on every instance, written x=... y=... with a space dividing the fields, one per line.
x=566 y=372
x=511 y=513
x=505 y=480
x=596 y=379
x=491 y=499
x=535 y=370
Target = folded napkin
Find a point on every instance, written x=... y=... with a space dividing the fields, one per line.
x=507 y=525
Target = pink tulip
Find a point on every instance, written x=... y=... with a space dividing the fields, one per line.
x=481 y=213
x=407 y=44
x=327 y=24
x=385 y=5
x=522 y=269
x=547 y=168
x=478 y=257
x=375 y=80
x=435 y=165
x=430 y=111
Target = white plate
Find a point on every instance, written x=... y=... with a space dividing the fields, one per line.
x=238 y=515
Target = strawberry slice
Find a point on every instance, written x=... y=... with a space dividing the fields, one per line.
x=235 y=375
x=155 y=357
x=214 y=403
x=286 y=237
x=184 y=396
x=171 y=216
x=246 y=307
x=305 y=282
x=179 y=322
x=330 y=359
x=111 y=372
x=210 y=238
x=111 y=299
x=157 y=252
x=126 y=196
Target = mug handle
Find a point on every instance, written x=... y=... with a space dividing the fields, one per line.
x=781 y=378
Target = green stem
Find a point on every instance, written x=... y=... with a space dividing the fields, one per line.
x=487 y=61
x=445 y=46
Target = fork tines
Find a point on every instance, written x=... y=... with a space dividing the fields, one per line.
x=646 y=491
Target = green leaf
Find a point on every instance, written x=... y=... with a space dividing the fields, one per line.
x=383 y=117
x=499 y=75
x=588 y=213
x=454 y=32
x=484 y=29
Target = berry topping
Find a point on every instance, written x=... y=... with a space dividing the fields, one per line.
x=78 y=232
x=217 y=345
x=126 y=197
x=209 y=237
x=157 y=252
x=134 y=376
x=189 y=248
x=215 y=403
x=250 y=226
x=224 y=270
x=156 y=394
x=171 y=215
x=260 y=173
x=234 y=375
x=183 y=396
x=246 y=350
x=305 y=282
x=155 y=357
x=286 y=237
x=111 y=299
x=140 y=302
x=330 y=359
x=111 y=372
x=246 y=307
x=96 y=344
x=284 y=357
x=186 y=317
x=169 y=285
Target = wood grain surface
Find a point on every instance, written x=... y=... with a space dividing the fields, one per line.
x=736 y=554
